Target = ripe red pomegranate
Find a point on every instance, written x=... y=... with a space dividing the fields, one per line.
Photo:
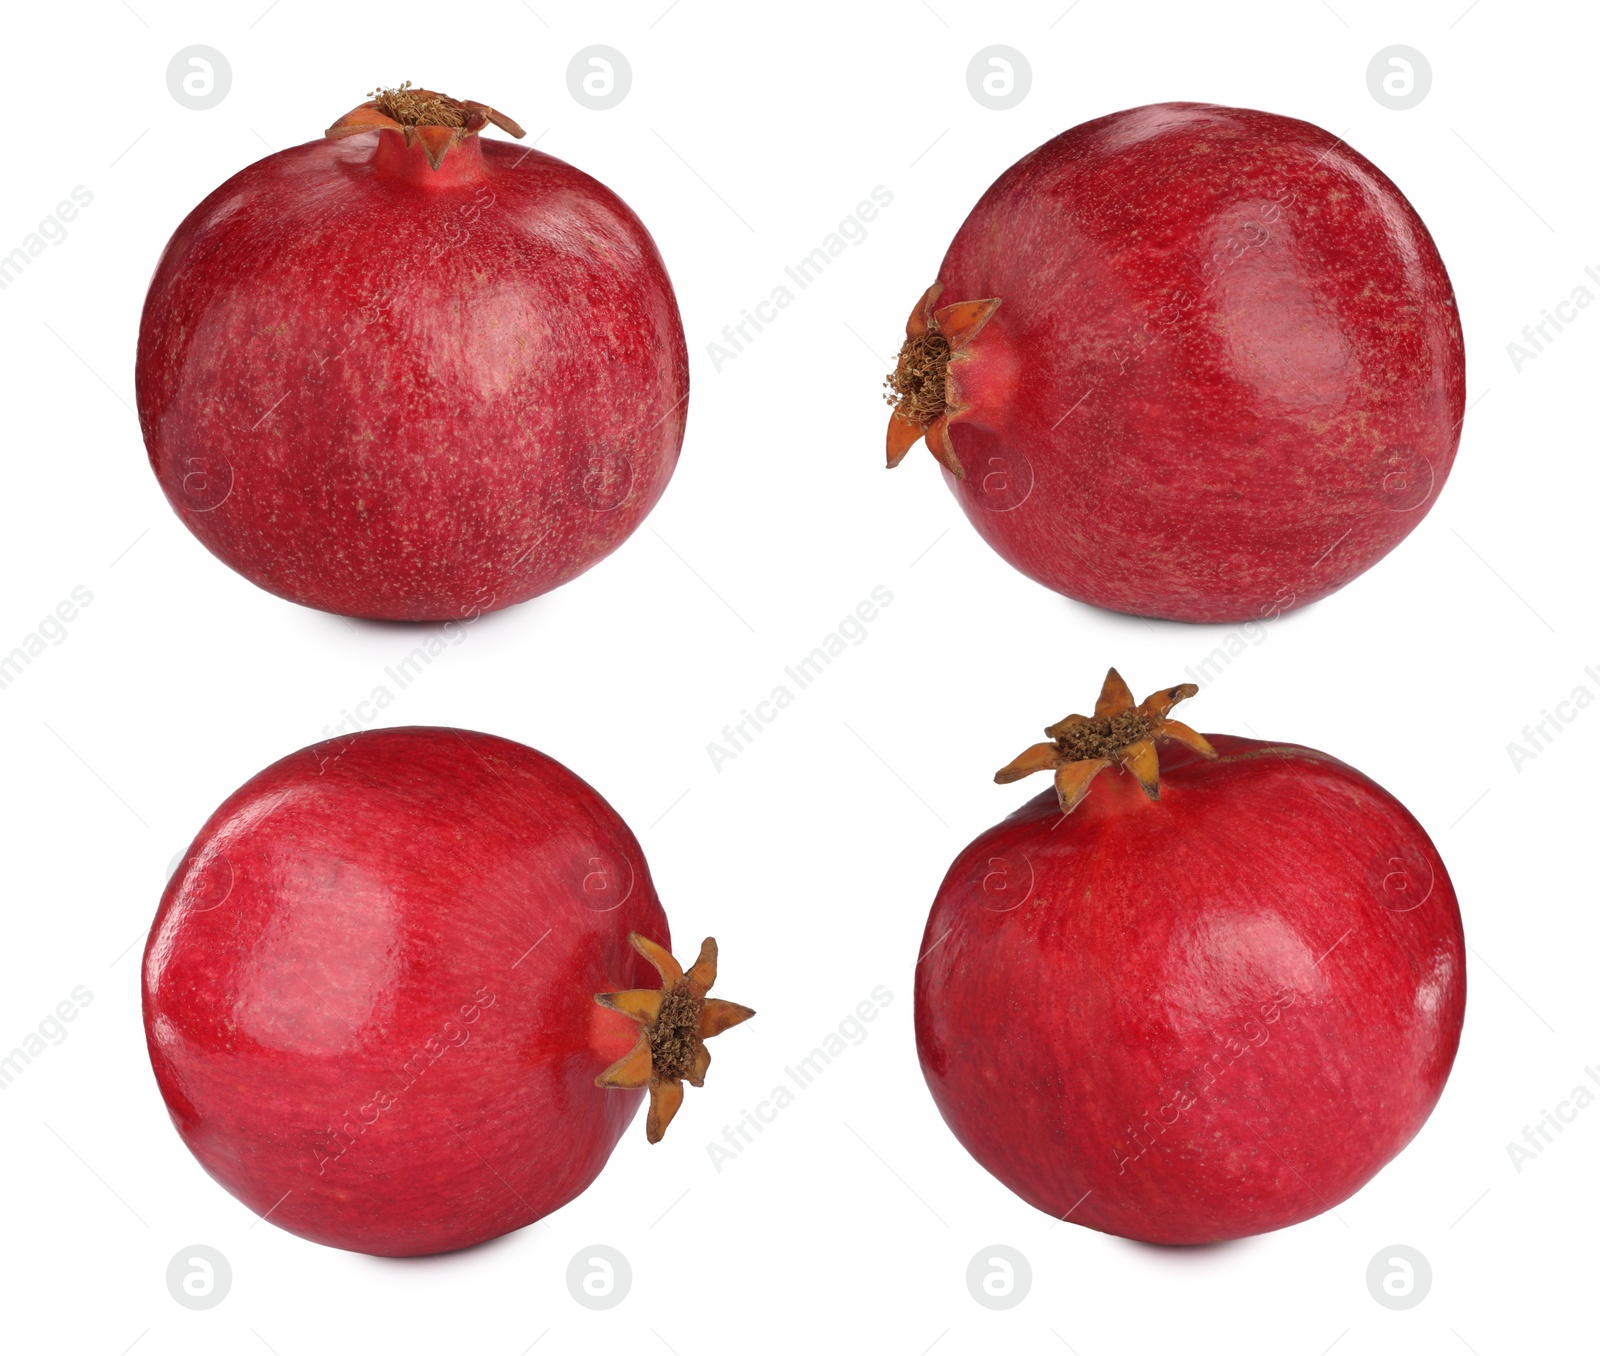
x=1189 y=362
x=396 y=982
x=1205 y=999
x=403 y=372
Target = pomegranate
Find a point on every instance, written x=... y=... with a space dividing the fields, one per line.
x=404 y=372
x=405 y=990
x=1210 y=998
x=1189 y=362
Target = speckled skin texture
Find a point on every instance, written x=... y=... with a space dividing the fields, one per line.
x=1199 y=1018
x=1226 y=375
x=397 y=392
x=369 y=989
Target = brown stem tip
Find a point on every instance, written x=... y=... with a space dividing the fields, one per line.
x=919 y=386
x=1119 y=735
x=676 y=1021
x=436 y=120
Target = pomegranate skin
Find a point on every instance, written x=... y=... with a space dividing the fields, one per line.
x=396 y=392
x=1226 y=375
x=1199 y=1018
x=369 y=989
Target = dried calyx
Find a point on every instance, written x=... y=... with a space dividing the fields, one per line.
x=675 y=1023
x=1119 y=735
x=920 y=388
x=422 y=115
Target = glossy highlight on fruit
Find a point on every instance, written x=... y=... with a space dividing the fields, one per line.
x=406 y=988
x=1189 y=994
x=408 y=372
x=1190 y=362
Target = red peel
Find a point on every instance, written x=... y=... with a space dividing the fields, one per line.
x=1208 y=360
x=1193 y=1017
x=410 y=372
x=370 y=991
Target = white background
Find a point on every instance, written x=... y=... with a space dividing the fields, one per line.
x=748 y=135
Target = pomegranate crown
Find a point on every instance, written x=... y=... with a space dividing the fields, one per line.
x=1119 y=735
x=675 y=1022
x=922 y=388
x=436 y=120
